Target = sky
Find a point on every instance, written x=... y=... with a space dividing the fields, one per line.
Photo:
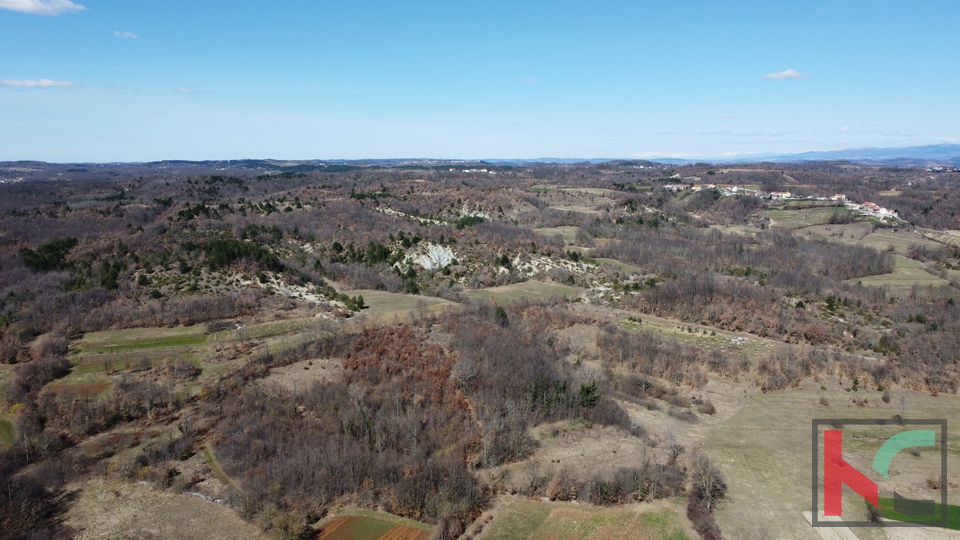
x=142 y=80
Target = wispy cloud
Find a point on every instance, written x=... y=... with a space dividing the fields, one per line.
x=785 y=74
x=125 y=34
x=187 y=90
x=845 y=129
x=42 y=83
x=529 y=80
x=726 y=116
x=41 y=7
x=115 y=87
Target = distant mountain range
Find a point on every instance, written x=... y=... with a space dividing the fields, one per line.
x=906 y=156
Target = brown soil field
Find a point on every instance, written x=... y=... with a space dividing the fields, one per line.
x=368 y=528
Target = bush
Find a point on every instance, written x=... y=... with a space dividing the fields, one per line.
x=49 y=256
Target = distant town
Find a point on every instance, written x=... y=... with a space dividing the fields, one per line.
x=867 y=209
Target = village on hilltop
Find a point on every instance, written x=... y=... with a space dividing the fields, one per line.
x=867 y=209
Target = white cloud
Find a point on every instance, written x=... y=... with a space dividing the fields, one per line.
x=529 y=80
x=42 y=83
x=185 y=90
x=785 y=74
x=125 y=35
x=845 y=129
x=41 y=7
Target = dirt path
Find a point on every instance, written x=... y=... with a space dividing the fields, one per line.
x=214 y=465
x=831 y=533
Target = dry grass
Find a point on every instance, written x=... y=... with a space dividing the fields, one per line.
x=801 y=217
x=125 y=510
x=568 y=233
x=301 y=375
x=534 y=520
x=532 y=289
x=385 y=305
x=862 y=234
x=764 y=452
x=906 y=274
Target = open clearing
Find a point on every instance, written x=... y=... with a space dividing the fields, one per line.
x=140 y=338
x=6 y=432
x=385 y=305
x=906 y=274
x=801 y=217
x=526 y=519
x=863 y=234
x=132 y=511
x=950 y=238
x=593 y=191
x=532 y=289
x=748 y=346
x=764 y=453
x=568 y=233
x=742 y=230
x=622 y=266
x=365 y=525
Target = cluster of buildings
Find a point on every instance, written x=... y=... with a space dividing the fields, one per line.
x=473 y=171
x=868 y=209
x=943 y=169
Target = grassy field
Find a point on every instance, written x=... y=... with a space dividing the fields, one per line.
x=862 y=234
x=527 y=290
x=592 y=191
x=622 y=266
x=906 y=274
x=801 y=217
x=764 y=451
x=736 y=229
x=953 y=514
x=129 y=510
x=950 y=238
x=141 y=338
x=707 y=337
x=569 y=234
x=367 y=525
x=6 y=433
x=6 y=421
x=385 y=305
x=99 y=357
x=533 y=520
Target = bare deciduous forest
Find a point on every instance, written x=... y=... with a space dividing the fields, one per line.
x=425 y=341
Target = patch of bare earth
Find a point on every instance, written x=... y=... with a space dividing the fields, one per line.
x=301 y=375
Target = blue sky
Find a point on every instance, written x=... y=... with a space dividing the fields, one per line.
x=138 y=80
